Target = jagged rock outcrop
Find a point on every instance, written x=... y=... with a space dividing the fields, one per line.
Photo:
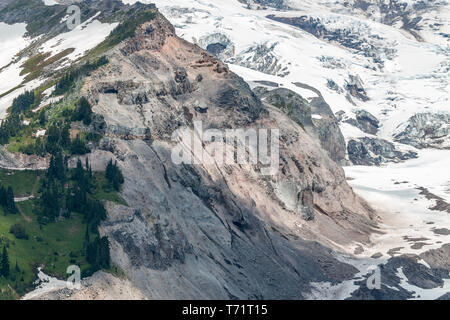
x=373 y=152
x=210 y=230
x=365 y=121
x=315 y=117
x=426 y=130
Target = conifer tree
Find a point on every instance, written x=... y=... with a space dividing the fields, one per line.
x=10 y=204
x=4 y=263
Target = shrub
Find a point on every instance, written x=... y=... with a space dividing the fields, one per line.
x=18 y=231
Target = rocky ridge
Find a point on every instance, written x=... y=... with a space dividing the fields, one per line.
x=188 y=224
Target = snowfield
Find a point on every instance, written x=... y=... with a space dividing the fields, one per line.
x=83 y=38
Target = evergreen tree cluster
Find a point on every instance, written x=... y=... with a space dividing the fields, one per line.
x=69 y=79
x=78 y=146
x=53 y=190
x=114 y=175
x=97 y=254
x=7 y=200
x=65 y=191
x=62 y=194
x=10 y=127
x=18 y=231
x=83 y=112
x=23 y=102
x=56 y=140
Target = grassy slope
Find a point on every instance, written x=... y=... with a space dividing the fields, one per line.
x=54 y=246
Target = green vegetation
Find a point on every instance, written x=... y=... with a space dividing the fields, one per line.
x=7 y=200
x=23 y=102
x=56 y=228
x=114 y=175
x=24 y=183
x=18 y=231
x=124 y=30
x=69 y=79
x=55 y=246
x=34 y=66
x=55 y=221
x=10 y=127
x=39 y=16
x=83 y=112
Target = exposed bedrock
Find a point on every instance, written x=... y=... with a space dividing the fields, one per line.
x=217 y=231
x=373 y=151
x=314 y=116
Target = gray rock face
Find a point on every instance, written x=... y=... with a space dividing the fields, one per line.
x=291 y=103
x=428 y=276
x=365 y=121
x=323 y=128
x=426 y=130
x=217 y=231
x=373 y=152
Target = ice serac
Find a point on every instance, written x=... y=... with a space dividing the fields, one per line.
x=214 y=231
x=426 y=130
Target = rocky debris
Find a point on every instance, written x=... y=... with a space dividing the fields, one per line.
x=429 y=276
x=334 y=86
x=356 y=89
x=155 y=246
x=261 y=57
x=100 y=286
x=365 y=121
x=441 y=204
x=441 y=231
x=426 y=130
x=445 y=297
x=323 y=126
x=19 y=161
x=374 y=151
x=151 y=36
x=211 y=230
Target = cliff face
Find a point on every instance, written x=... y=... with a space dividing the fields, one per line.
x=212 y=230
